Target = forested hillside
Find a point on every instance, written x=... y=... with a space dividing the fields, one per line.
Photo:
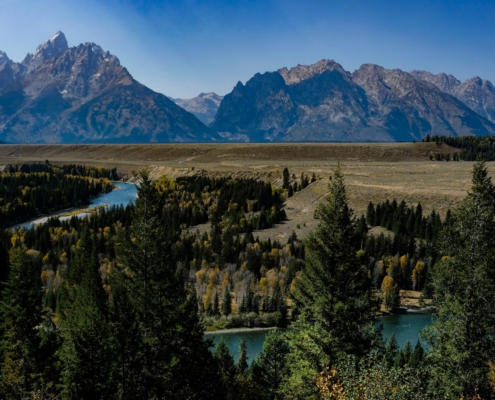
x=115 y=305
x=471 y=147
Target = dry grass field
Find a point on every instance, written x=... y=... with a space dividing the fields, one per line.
x=374 y=172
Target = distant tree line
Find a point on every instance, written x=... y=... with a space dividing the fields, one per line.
x=472 y=147
x=68 y=169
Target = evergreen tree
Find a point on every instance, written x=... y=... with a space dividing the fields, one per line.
x=370 y=214
x=216 y=305
x=270 y=368
x=21 y=316
x=227 y=369
x=333 y=295
x=391 y=350
x=174 y=355
x=417 y=356
x=51 y=341
x=462 y=337
x=286 y=179
x=242 y=365
x=126 y=347
x=226 y=302
x=86 y=346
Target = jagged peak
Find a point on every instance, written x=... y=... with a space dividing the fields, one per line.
x=303 y=72
x=426 y=74
x=4 y=57
x=57 y=35
x=57 y=42
x=54 y=47
x=370 y=67
x=476 y=80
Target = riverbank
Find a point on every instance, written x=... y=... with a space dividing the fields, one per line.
x=122 y=193
x=405 y=327
x=408 y=310
x=239 y=330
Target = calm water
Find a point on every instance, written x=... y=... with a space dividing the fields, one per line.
x=405 y=326
x=124 y=193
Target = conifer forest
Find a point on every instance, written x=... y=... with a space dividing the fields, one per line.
x=115 y=305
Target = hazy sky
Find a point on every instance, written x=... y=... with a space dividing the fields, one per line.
x=183 y=48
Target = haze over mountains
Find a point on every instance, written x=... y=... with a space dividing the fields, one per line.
x=203 y=106
x=82 y=95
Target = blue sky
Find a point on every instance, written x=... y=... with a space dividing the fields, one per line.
x=182 y=48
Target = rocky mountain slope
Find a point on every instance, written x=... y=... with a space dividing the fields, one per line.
x=83 y=94
x=322 y=102
x=204 y=106
x=478 y=94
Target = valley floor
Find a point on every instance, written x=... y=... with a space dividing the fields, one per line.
x=373 y=171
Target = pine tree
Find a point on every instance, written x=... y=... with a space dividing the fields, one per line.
x=333 y=295
x=86 y=346
x=391 y=350
x=463 y=337
x=126 y=346
x=242 y=365
x=226 y=302
x=417 y=356
x=227 y=369
x=286 y=179
x=270 y=368
x=370 y=214
x=175 y=357
x=21 y=315
x=216 y=310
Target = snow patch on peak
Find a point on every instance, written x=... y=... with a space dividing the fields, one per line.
x=54 y=37
x=96 y=48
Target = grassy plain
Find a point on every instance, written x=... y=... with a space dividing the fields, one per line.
x=374 y=171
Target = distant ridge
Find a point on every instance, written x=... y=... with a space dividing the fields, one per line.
x=203 y=106
x=323 y=102
x=478 y=94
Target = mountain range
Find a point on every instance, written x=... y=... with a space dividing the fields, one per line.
x=81 y=94
x=323 y=102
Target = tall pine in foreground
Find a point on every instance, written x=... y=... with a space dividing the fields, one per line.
x=174 y=361
x=85 y=352
x=21 y=316
x=463 y=337
x=270 y=367
x=333 y=295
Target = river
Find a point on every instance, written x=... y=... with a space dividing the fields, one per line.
x=124 y=193
x=405 y=326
